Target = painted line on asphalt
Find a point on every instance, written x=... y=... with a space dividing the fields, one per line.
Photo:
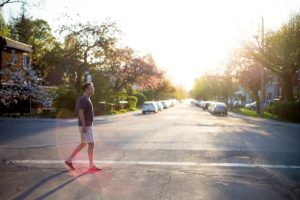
x=112 y=162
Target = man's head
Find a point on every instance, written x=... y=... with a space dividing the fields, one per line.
x=88 y=88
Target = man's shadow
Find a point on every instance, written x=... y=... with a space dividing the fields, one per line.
x=43 y=181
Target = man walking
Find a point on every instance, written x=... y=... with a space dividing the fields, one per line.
x=85 y=122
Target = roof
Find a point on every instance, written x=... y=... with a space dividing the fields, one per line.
x=6 y=42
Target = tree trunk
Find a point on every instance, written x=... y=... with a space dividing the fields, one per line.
x=257 y=99
x=288 y=89
x=78 y=84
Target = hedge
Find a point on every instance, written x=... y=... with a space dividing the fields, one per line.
x=286 y=110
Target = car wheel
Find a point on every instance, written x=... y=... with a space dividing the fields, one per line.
x=144 y=112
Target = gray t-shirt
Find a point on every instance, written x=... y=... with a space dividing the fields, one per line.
x=86 y=105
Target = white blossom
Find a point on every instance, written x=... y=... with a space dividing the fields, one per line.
x=22 y=85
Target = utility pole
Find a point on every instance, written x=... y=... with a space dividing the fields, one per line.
x=262 y=95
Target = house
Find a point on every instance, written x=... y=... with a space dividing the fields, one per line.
x=13 y=54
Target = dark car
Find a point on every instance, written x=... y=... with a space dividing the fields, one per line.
x=206 y=105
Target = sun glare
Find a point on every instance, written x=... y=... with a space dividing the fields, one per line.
x=185 y=37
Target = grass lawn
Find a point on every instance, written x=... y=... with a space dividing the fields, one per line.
x=252 y=113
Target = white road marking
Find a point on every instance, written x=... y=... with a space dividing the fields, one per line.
x=112 y=162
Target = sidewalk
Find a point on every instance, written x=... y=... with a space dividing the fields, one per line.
x=96 y=118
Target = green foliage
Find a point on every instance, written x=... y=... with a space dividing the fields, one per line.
x=247 y=112
x=86 y=47
x=66 y=98
x=122 y=111
x=141 y=98
x=286 y=110
x=132 y=101
x=181 y=93
x=280 y=53
x=38 y=34
x=65 y=113
x=103 y=108
x=103 y=91
x=210 y=86
x=252 y=113
x=4 y=30
x=165 y=90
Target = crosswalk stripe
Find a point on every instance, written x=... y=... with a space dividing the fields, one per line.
x=196 y=164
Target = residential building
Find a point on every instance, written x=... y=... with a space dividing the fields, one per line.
x=15 y=55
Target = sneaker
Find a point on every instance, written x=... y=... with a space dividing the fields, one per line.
x=94 y=168
x=69 y=164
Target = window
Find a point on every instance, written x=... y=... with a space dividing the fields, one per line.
x=13 y=57
x=26 y=60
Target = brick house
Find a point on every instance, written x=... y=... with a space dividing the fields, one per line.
x=13 y=54
x=17 y=56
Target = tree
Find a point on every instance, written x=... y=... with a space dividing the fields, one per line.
x=38 y=34
x=165 y=90
x=24 y=84
x=4 y=2
x=249 y=77
x=84 y=49
x=280 y=53
x=181 y=93
x=22 y=2
x=4 y=30
x=126 y=70
x=210 y=86
x=56 y=71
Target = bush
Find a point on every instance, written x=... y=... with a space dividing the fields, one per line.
x=65 y=98
x=141 y=98
x=286 y=110
x=121 y=111
x=132 y=101
x=103 y=108
x=65 y=113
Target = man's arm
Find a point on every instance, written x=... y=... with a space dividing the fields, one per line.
x=81 y=118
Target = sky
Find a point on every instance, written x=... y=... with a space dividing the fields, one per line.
x=185 y=37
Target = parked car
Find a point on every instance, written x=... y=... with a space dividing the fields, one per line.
x=149 y=106
x=238 y=104
x=219 y=108
x=159 y=105
x=211 y=107
x=251 y=106
x=206 y=105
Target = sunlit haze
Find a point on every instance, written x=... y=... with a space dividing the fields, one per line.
x=185 y=37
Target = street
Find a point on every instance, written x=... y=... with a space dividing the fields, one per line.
x=179 y=153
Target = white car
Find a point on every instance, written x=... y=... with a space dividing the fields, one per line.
x=149 y=106
x=251 y=106
x=159 y=105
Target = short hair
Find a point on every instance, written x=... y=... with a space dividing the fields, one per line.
x=86 y=85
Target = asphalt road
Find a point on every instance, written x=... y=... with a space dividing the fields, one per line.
x=179 y=153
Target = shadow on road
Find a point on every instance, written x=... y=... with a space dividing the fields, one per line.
x=12 y=130
x=35 y=187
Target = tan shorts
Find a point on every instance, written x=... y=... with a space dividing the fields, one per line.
x=88 y=136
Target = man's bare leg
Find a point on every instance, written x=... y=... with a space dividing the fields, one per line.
x=91 y=154
x=75 y=152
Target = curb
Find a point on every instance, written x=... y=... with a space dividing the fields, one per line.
x=70 y=120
